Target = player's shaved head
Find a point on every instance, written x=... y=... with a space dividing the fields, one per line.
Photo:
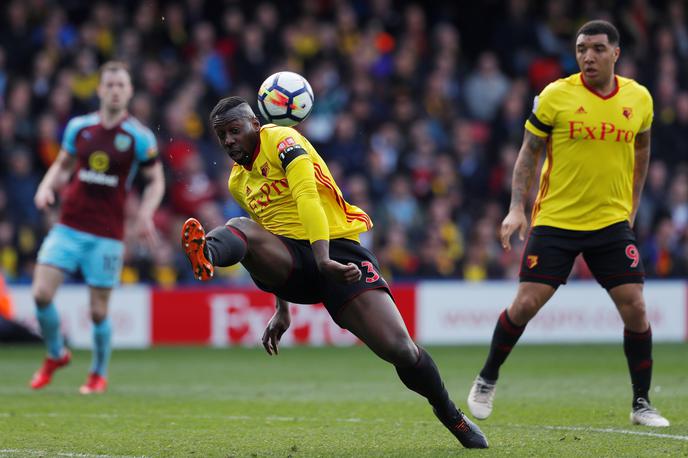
x=236 y=127
x=229 y=109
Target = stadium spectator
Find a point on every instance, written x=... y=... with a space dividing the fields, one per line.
x=397 y=259
x=486 y=87
x=661 y=253
x=21 y=180
x=400 y=207
x=390 y=67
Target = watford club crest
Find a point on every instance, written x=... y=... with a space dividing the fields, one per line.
x=532 y=261
x=627 y=112
x=265 y=169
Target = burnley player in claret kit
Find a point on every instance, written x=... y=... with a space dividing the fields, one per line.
x=302 y=244
x=101 y=153
x=594 y=128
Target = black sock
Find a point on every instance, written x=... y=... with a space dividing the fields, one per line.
x=638 y=351
x=226 y=246
x=504 y=338
x=424 y=378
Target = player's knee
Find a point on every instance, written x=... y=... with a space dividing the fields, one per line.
x=402 y=352
x=524 y=307
x=228 y=244
x=243 y=224
x=635 y=307
x=42 y=295
x=98 y=315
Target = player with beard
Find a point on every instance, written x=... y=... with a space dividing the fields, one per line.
x=101 y=153
x=594 y=128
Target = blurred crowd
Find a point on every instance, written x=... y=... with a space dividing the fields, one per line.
x=419 y=113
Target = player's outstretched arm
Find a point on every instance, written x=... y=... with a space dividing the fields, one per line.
x=642 y=162
x=276 y=327
x=55 y=178
x=152 y=196
x=522 y=180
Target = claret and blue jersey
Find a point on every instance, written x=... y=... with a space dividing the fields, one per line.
x=107 y=161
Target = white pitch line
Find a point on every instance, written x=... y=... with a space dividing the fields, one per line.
x=25 y=452
x=616 y=431
x=339 y=420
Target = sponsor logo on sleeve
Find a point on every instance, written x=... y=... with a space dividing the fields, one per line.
x=289 y=141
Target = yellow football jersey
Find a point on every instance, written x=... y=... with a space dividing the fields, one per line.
x=263 y=188
x=586 y=181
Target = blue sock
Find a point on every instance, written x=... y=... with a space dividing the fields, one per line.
x=102 y=334
x=49 y=320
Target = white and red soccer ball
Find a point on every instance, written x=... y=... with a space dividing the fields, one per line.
x=285 y=99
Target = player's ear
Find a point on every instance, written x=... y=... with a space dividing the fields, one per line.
x=617 y=53
x=255 y=124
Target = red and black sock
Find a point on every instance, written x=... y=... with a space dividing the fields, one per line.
x=504 y=338
x=638 y=351
x=226 y=246
x=424 y=378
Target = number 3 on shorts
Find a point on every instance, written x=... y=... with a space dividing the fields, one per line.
x=370 y=270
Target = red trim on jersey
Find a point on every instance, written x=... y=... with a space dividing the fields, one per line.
x=249 y=166
x=350 y=215
x=594 y=91
x=544 y=185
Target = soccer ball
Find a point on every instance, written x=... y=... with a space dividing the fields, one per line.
x=285 y=99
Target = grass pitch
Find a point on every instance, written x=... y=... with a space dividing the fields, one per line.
x=564 y=401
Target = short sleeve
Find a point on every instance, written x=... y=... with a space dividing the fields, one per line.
x=289 y=146
x=70 y=133
x=146 y=145
x=541 y=119
x=648 y=110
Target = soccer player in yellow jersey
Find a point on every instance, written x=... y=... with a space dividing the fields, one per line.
x=302 y=244
x=594 y=128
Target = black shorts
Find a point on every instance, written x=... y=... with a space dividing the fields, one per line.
x=306 y=285
x=611 y=254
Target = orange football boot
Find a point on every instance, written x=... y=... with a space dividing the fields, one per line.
x=193 y=244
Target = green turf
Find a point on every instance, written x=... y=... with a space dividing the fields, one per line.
x=200 y=402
